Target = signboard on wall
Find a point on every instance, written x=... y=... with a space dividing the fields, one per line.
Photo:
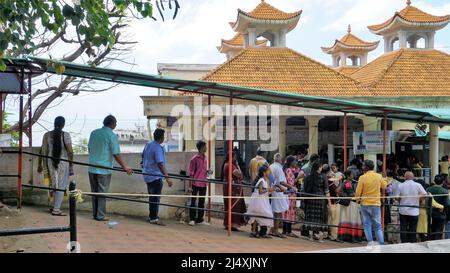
x=371 y=142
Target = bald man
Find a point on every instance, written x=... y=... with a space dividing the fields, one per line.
x=410 y=193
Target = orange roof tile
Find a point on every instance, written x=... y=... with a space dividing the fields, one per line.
x=413 y=15
x=283 y=69
x=265 y=11
x=350 y=40
x=407 y=72
x=347 y=70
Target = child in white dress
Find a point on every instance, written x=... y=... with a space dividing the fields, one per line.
x=260 y=205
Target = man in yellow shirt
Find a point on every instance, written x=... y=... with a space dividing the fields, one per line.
x=368 y=192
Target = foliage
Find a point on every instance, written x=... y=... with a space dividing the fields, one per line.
x=21 y=20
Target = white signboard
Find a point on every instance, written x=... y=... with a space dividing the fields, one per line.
x=371 y=142
x=5 y=140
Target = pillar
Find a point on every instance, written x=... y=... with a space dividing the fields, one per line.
x=363 y=59
x=387 y=44
x=371 y=124
x=434 y=150
x=335 y=62
x=282 y=38
x=343 y=59
x=251 y=36
x=282 y=135
x=430 y=40
x=402 y=39
x=313 y=133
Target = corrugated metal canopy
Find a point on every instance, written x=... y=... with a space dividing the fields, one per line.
x=440 y=116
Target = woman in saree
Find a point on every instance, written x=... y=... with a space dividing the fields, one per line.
x=237 y=203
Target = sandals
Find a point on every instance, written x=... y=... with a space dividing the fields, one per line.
x=279 y=235
x=254 y=235
x=265 y=236
x=58 y=213
x=293 y=235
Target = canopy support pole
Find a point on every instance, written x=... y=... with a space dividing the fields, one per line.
x=209 y=156
x=20 y=155
x=30 y=116
x=384 y=162
x=345 y=142
x=1 y=113
x=230 y=161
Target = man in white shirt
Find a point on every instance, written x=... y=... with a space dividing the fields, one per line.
x=279 y=205
x=409 y=216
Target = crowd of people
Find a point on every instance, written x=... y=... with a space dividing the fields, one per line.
x=335 y=203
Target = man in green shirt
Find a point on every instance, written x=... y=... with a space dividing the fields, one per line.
x=103 y=147
x=438 y=217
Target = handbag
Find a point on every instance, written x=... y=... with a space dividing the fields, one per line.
x=343 y=193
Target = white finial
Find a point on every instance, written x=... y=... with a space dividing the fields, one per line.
x=408 y=2
x=349 y=29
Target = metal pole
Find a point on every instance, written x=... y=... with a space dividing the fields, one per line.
x=19 y=163
x=209 y=156
x=1 y=113
x=384 y=161
x=429 y=203
x=345 y=142
x=384 y=141
x=30 y=121
x=73 y=245
x=230 y=162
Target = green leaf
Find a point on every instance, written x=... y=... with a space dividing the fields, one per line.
x=68 y=11
x=98 y=41
x=75 y=21
x=2 y=65
x=3 y=44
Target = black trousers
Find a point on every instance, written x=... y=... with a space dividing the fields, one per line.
x=194 y=213
x=437 y=228
x=263 y=231
x=287 y=227
x=409 y=224
x=155 y=187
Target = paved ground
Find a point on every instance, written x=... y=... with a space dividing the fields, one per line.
x=136 y=235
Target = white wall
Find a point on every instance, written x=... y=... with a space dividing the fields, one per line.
x=120 y=183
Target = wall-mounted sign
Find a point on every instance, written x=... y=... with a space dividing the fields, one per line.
x=371 y=142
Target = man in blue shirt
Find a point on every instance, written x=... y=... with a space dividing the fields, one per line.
x=154 y=164
x=103 y=147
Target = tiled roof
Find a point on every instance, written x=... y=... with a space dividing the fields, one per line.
x=350 y=40
x=347 y=70
x=238 y=40
x=407 y=72
x=265 y=11
x=283 y=69
x=413 y=15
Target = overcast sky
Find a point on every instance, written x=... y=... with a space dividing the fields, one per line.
x=193 y=36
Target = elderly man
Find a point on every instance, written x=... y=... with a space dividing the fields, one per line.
x=409 y=211
x=103 y=147
x=279 y=204
x=368 y=191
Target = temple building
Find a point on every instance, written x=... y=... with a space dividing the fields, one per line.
x=349 y=53
x=412 y=74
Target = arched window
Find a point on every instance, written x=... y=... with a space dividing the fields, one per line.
x=416 y=41
x=354 y=60
x=395 y=44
